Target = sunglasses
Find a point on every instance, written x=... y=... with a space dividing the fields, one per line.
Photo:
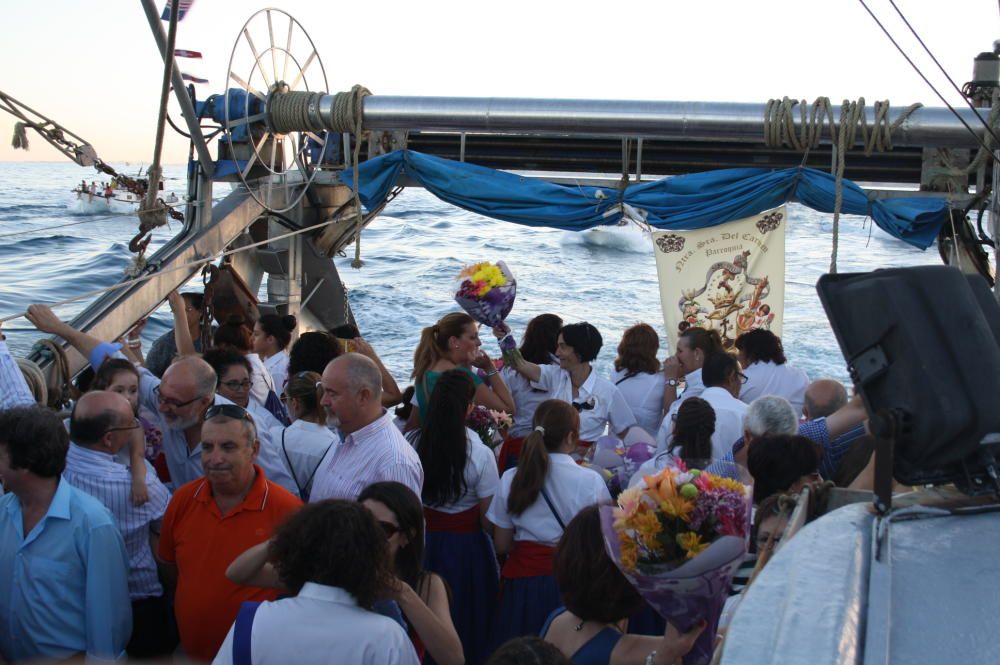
x=229 y=411
x=388 y=528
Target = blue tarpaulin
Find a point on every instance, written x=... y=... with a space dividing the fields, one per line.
x=692 y=201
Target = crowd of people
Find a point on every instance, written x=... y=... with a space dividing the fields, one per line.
x=241 y=494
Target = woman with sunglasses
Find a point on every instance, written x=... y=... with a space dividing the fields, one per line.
x=305 y=442
x=599 y=402
x=460 y=478
x=421 y=595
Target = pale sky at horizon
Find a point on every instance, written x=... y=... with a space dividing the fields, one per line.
x=94 y=68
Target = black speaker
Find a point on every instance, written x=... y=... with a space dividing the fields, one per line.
x=923 y=346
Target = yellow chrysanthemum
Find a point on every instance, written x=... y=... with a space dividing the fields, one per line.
x=691 y=543
x=676 y=506
x=629 y=553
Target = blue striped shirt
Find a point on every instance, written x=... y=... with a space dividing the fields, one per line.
x=100 y=476
x=816 y=430
x=13 y=388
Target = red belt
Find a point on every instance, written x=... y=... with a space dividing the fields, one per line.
x=529 y=559
x=466 y=521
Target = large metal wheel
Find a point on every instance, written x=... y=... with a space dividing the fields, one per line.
x=288 y=62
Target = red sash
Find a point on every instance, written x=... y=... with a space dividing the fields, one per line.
x=511 y=448
x=466 y=521
x=529 y=559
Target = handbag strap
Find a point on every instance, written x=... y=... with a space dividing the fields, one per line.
x=291 y=468
x=545 y=495
x=242 y=630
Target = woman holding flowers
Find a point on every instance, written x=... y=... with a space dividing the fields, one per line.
x=530 y=510
x=598 y=599
x=453 y=343
x=460 y=478
x=573 y=380
x=537 y=346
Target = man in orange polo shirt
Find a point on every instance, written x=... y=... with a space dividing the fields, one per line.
x=211 y=520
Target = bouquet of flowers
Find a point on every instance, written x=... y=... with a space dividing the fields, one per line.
x=679 y=538
x=490 y=425
x=617 y=461
x=486 y=291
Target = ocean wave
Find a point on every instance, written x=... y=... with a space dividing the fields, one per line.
x=621 y=238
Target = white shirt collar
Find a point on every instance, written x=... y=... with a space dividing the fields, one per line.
x=330 y=594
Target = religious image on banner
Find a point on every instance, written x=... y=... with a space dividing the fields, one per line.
x=730 y=278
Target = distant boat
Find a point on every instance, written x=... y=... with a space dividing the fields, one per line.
x=117 y=201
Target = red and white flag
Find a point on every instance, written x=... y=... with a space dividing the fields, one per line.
x=184 y=53
x=182 y=9
x=193 y=79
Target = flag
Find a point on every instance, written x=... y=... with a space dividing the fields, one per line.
x=193 y=79
x=730 y=277
x=182 y=9
x=184 y=53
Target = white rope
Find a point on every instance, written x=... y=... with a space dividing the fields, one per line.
x=779 y=131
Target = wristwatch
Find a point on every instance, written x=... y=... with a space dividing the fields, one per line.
x=673 y=382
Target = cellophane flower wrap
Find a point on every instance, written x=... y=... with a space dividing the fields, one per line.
x=486 y=292
x=679 y=537
x=490 y=425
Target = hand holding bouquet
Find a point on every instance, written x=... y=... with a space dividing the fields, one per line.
x=486 y=291
x=490 y=425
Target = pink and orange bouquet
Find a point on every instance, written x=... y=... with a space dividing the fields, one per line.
x=486 y=291
x=490 y=425
x=679 y=538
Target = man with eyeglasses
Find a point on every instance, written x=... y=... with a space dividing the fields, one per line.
x=102 y=423
x=212 y=520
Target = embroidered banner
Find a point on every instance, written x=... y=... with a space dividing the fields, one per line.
x=729 y=277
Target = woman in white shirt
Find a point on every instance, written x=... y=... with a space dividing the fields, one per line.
x=767 y=370
x=637 y=375
x=271 y=336
x=303 y=444
x=234 y=335
x=460 y=478
x=598 y=401
x=530 y=510
x=537 y=346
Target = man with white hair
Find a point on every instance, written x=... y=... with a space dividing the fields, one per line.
x=373 y=449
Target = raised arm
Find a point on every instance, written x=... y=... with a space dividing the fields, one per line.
x=43 y=318
x=525 y=368
x=253 y=569
x=182 y=334
x=846 y=418
x=493 y=393
x=430 y=615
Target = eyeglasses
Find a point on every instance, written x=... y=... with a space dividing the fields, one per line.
x=172 y=403
x=135 y=425
x=236 y=385
x=388 y=528
x=743 y=377
x=229 y=411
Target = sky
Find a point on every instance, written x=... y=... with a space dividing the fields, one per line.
x=94 y=67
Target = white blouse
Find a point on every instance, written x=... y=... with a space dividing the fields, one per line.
x=770 y=379
x=481 y=476
x=643 y=392
x=570 y=487
x=527 y=396
x=301 y=447
x=277 y=367
x=600 y=402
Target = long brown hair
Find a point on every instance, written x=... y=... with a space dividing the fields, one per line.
x=554 y=420
x=637 y=350
x=707 y=340
x=434 y=341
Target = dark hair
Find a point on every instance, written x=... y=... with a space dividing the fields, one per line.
x=718 y=368
x=707 y=341
x=584 y=338
x=409 y=512
x=433 y=343
x=88 y=430
x=443 y=445
x=312 y=352
x=558 y=419
x=590 y=584
x=335 y=543
x=540 y=339
x=777 y=461
x=36 y=440
x=694 y=428
x=406 y=404
x=528 y=650
x=233 y=334
x=105 y=374
x=195 y=299
x=223 y=359
x=278 y=327
x=637 y=350
x=302 y=386
x=761 y=345
x=346 y=331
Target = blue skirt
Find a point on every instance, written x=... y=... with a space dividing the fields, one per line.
x=525 y=604
x=468 y=563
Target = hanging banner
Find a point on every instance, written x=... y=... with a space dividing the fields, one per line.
x=730 y=278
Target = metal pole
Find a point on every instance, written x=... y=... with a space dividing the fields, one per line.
x=180 y=92
x=995 y=217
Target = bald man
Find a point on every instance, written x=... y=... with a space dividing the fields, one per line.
x=823 y=397
x=101 y=425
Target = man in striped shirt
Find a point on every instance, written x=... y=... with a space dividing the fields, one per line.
x=102 y=424
x=373 y=449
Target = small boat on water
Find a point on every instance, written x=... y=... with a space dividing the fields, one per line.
x=114 y=201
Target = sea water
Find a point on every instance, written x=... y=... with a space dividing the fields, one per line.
x=412 y=253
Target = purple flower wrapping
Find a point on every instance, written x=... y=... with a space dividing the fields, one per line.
x=492 y=308
x=687 y=594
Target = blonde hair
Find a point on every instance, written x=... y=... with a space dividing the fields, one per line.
x=434 y=341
